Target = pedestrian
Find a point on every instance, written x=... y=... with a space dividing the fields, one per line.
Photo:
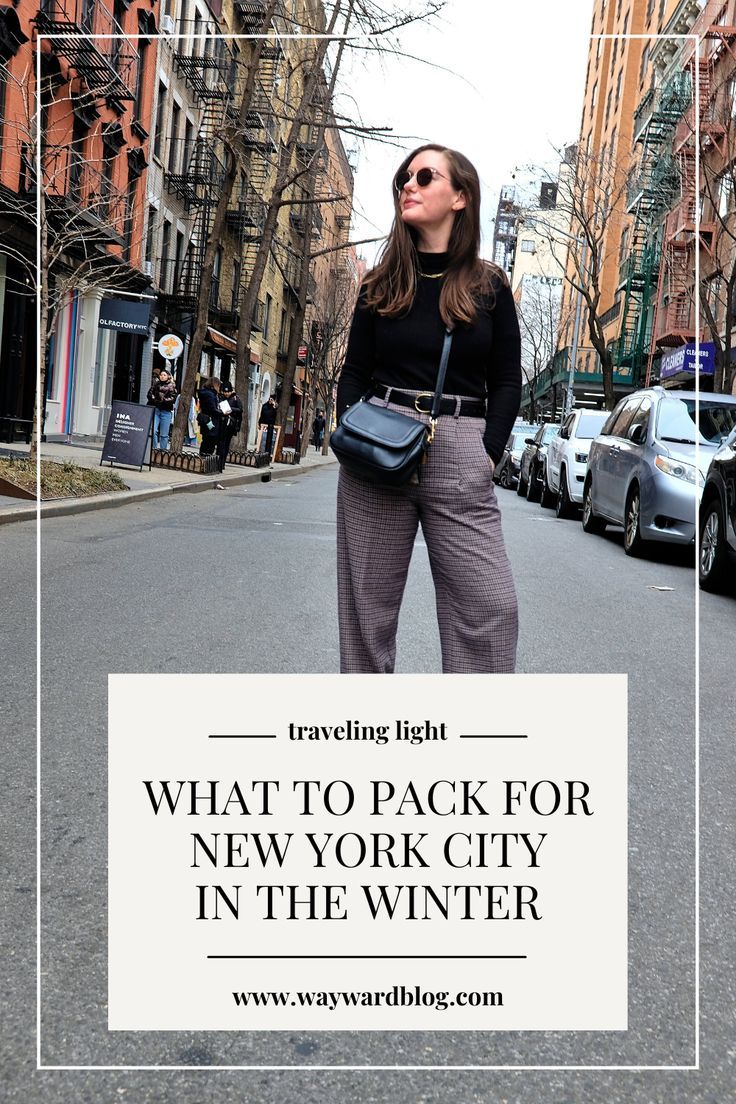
x=318 y=430
x=429 y=278
x=162 y=394
x=209 y=416
x=268 y=419
x=231 y=422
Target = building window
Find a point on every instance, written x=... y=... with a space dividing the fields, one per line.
x=644 y=64
x=150 y=228
x=266 y=316
x=284 y=332
x=164 y=279
x=160 y=105
x=625 y=28
x=594 y=95
x=235 y=300
x=619 y=82
x=608 y=106
x=173 y=137
x=528 y=246
x=725 y=192
x=178 y=259
x=614 y=52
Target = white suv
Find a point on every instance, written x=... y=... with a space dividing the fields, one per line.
x=567 y=456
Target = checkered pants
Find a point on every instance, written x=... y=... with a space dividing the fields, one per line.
x=455 y=503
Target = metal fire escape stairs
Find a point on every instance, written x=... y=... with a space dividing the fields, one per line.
x=650 y=192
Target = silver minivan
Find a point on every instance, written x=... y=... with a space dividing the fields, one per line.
x=642 y=470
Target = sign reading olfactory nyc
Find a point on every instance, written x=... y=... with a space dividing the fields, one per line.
x=125 y=317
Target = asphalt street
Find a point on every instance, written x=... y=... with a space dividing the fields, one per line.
x=243 y=580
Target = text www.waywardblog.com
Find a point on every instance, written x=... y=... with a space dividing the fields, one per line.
x=399 y=996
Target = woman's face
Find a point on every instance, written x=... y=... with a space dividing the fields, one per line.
x=163 y=377
x=431 y=208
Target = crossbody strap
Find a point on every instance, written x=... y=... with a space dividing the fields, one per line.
x=446 y=344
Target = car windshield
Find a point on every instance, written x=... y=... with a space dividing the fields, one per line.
x=676 y=421
x=519 y=440
x=591 y=424
x=550 y=431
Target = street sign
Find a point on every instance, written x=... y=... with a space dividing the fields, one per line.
x=170 y=346
x=682 y=359
x=128 y=435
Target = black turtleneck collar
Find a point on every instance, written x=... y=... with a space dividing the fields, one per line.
x=432 y=263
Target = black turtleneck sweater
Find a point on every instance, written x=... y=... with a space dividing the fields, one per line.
x=485 y=360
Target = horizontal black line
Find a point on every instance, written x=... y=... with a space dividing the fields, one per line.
x=379 y=957
x=242 y=736
x=494 y=736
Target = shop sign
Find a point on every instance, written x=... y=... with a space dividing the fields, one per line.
x=125 y=317
x=170 y=346
x=683 y=359
x=128 y=435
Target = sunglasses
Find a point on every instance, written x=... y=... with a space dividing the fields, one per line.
x=424 y=177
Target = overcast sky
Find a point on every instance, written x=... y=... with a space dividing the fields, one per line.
x=511 y=90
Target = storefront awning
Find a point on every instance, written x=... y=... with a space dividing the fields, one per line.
x=221 y=340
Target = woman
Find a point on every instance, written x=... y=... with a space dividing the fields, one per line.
x=230 y=423
x=430 y=276
x=162 y=394
x=209 y=416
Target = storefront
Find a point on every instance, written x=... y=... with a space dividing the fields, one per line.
x=679 y=367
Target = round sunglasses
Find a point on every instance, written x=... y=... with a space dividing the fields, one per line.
x=424 y=177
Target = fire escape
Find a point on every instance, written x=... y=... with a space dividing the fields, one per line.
x=197 y=168
x=650 y=193
x=109 y=66
x=674 y=316
x=78 y=193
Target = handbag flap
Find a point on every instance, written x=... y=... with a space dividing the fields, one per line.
x=381 y=426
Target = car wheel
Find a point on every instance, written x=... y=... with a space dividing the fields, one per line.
x=632 y=524
x=504 y=479
x=591 y=523
x=533 y=488
x=713 y=553
x=547 y=498
x=564 y=507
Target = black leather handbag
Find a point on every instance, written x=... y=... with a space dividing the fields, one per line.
x=382 y=445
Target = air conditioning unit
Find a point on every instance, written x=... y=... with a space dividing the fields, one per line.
x=167 y=24
x=147 y=268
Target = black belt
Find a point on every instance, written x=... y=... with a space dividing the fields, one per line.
x=468 y=408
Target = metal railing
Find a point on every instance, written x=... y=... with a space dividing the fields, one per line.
x=108 y=65
x=73 y=183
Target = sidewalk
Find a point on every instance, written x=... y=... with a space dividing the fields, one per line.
x=142 y=485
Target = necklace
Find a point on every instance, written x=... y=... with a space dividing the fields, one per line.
x=431 y=275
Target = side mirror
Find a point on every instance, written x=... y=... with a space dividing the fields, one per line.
x=638 y=434
x=528 y=440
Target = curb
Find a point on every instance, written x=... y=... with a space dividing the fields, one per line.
x=130 y=498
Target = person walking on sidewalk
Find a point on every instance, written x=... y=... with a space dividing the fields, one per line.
x=430 y=277
x=162 y=394
x=268 y=419
x=230 y=424
x=209 y=416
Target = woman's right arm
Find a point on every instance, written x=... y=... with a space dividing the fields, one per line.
x=360 y=358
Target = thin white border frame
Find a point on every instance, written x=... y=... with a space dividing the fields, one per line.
x=697 y=41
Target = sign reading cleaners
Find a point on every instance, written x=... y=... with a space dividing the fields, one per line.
x=125 y=316
x=128 y=435
x=321 y=852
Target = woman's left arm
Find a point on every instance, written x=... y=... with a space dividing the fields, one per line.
x=503 y=378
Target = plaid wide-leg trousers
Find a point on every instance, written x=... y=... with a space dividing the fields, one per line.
x=455 y=504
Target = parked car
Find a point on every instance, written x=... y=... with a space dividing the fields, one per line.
x=567 y=456
x=531 y=468
x=718 y=517
x=507 y=469
x=642 y=471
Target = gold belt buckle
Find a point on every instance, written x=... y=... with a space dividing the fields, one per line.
x=422 y=395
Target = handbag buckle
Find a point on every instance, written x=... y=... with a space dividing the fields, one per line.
x=419 y=397
x=432 y=427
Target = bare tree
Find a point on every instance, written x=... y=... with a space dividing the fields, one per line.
x=592 y=196
x=539 y=310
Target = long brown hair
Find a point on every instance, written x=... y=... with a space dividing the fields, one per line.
x=390 y=287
